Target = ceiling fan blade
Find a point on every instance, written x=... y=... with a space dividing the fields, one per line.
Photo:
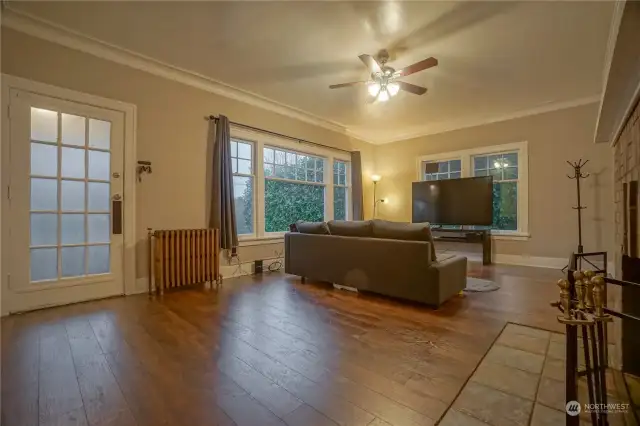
x=353 y=83
x=412 y=88
x=418 y=66
x=370 y=63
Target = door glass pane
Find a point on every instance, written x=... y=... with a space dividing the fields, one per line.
x=98 y=197
x=44 y=229
x=44 y=264
x=44 y=160
x=99 y=164
x=99 y=134
x=72 y=261
x=44 y=194
x=72 y=196
x=72 y=228
x=99 y=228
x=73 y=163
x=73 y=130
x=98 y=259
x=44 y=125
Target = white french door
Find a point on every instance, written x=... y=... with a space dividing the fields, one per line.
x=65 y=202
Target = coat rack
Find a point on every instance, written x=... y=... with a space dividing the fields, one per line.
x=577 y=176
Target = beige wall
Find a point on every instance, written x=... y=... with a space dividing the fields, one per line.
x=171 y=130
x=172 y=135
x=553 y=138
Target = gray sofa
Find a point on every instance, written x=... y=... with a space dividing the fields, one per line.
x=389 y=258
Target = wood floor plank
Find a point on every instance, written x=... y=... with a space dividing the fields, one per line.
x=101 y=394
x=59 y=392
x=261 y=350
x=306 y=415
x=20 y=354
x=74 y=417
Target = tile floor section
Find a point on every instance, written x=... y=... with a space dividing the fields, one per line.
x=520 y=382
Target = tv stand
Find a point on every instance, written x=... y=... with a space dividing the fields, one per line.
x=472 y=236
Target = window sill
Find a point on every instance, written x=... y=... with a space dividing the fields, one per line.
x=511 y=236
x=260 y=241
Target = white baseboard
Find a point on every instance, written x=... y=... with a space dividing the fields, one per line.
x=247 y=268
x=524 y=260
x=142 y=286
x=540 y=261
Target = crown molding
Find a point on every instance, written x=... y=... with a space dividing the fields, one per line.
x=47 y=30
x=449 y=126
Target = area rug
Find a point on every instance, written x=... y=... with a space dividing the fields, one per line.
x=479 y=285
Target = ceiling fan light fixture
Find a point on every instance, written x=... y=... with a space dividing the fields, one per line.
x=383 y=96
x=393 y=88
x=374 y=89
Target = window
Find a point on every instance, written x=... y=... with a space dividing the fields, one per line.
x=277 y=182
x=507 y=164
x=293 y=188
x=504 y=169
x=242 y=167
x=340 y=189
x=450 y=169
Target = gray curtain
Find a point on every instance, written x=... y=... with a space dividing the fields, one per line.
x=356 y=185
x=222 y=215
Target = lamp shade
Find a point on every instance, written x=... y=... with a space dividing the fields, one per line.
x=376 y=178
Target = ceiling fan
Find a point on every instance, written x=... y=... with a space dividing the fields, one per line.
x=384 y=82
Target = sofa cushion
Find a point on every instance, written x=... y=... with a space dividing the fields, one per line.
x=404 y=231
x=312 y=228
x=350 y=228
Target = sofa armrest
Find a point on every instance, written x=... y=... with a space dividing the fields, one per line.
x=451 y=276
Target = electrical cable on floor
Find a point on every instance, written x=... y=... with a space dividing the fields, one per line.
x=276 y=265
x=238 y=271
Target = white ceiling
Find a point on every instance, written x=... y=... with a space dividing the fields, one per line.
x=496 y=59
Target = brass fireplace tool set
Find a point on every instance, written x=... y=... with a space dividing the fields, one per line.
x=582 y=304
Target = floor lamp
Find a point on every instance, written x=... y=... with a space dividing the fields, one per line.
x=375 y=179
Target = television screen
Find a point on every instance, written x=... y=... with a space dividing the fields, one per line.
x=466 y=201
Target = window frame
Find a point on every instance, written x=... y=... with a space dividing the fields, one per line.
x=443 y=160
x=260 y=141
x=347 y=186
x=253 y=178
x=467 y=170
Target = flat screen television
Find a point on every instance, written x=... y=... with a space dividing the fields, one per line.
x=466 y=201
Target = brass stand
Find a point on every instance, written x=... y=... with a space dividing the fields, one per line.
x=582 y=306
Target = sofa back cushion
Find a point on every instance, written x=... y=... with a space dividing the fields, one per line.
x=312 y=228
x=404 y=231
x=350 y=228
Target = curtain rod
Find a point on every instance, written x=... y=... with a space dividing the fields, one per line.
x=269 y=132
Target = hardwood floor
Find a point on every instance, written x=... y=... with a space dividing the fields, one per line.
x=267 y=351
